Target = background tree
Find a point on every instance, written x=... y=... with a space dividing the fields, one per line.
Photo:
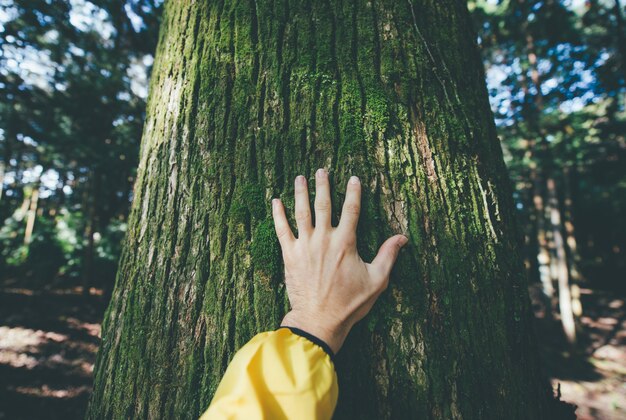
x=557 y=88
x=247 y=95
x=72 y=113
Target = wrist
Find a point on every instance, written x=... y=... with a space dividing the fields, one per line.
x=332 y=335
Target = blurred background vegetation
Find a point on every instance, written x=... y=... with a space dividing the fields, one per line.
x=73 y=87
x=74 y=82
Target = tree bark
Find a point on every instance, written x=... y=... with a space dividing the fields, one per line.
x=90 y=203
x=535 y=153
x=2 y=166
x=551 y=256
x=544 y=261
x=620 y=37
x=561 y=266
x=31 y=215
x=573 y=256
x=246 y=95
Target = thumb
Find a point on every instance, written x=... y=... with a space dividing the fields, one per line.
x=387 y=254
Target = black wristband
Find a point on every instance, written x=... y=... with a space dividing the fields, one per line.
x=313 y=339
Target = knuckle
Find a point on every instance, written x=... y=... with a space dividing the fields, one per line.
x=302 y=215
x=353 y=208
x=322 y=204
x=321 y=239
x=281 y=232
x=348 y=240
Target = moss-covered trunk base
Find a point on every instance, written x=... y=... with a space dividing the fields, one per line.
x=246 y=95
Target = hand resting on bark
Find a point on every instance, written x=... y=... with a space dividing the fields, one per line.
x=290 y=372
x=329 y=286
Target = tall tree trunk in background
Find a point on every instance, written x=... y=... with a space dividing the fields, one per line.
x=561 y=266
x=568 y=223
x=619 y=34
x=88 y=254
x=536 y=153
x=2 y=169
x=7 y=153
x=543 y=251
x=90 y=196
x=22 y=212
x=573 y=257
x=32 y=214
x=245 y=96
x=557 y=259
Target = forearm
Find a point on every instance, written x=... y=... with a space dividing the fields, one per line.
x=277 y=374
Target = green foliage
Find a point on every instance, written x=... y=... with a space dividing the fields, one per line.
x=68 y=235
x=556 y=73
x=37 y=263
x=44 y=253
x=12 y=251
x=77 y=118
x=56 y=250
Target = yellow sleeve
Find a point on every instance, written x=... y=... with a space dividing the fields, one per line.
x=277 y=375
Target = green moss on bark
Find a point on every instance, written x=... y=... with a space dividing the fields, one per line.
x=249 y=201
x=265 y=249
x=245 y=96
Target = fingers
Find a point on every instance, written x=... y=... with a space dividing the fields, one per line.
x=283 y=231
x=322 y=199
x=387 y=255
x=303 y=208
x=351 y=207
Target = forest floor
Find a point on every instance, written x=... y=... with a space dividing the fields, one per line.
x=48 y=345
x=48 y=342
x=591 y=375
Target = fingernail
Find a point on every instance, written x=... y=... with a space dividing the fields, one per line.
x=403 y=240
x=321 y=172
x=274 y=202
x=354 y=180
x=300 y=180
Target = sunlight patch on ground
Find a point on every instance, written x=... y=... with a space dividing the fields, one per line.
x=595 y=400
x=603 y=336
x=78 y=291
x=45 y=391
x=17 y=345
x=92 y=329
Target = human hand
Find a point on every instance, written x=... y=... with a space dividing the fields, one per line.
x=329 y=286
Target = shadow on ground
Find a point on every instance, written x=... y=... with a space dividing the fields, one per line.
x=592 y=373
x=48 y=342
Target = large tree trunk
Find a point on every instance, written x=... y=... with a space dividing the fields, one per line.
x=245 y=96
